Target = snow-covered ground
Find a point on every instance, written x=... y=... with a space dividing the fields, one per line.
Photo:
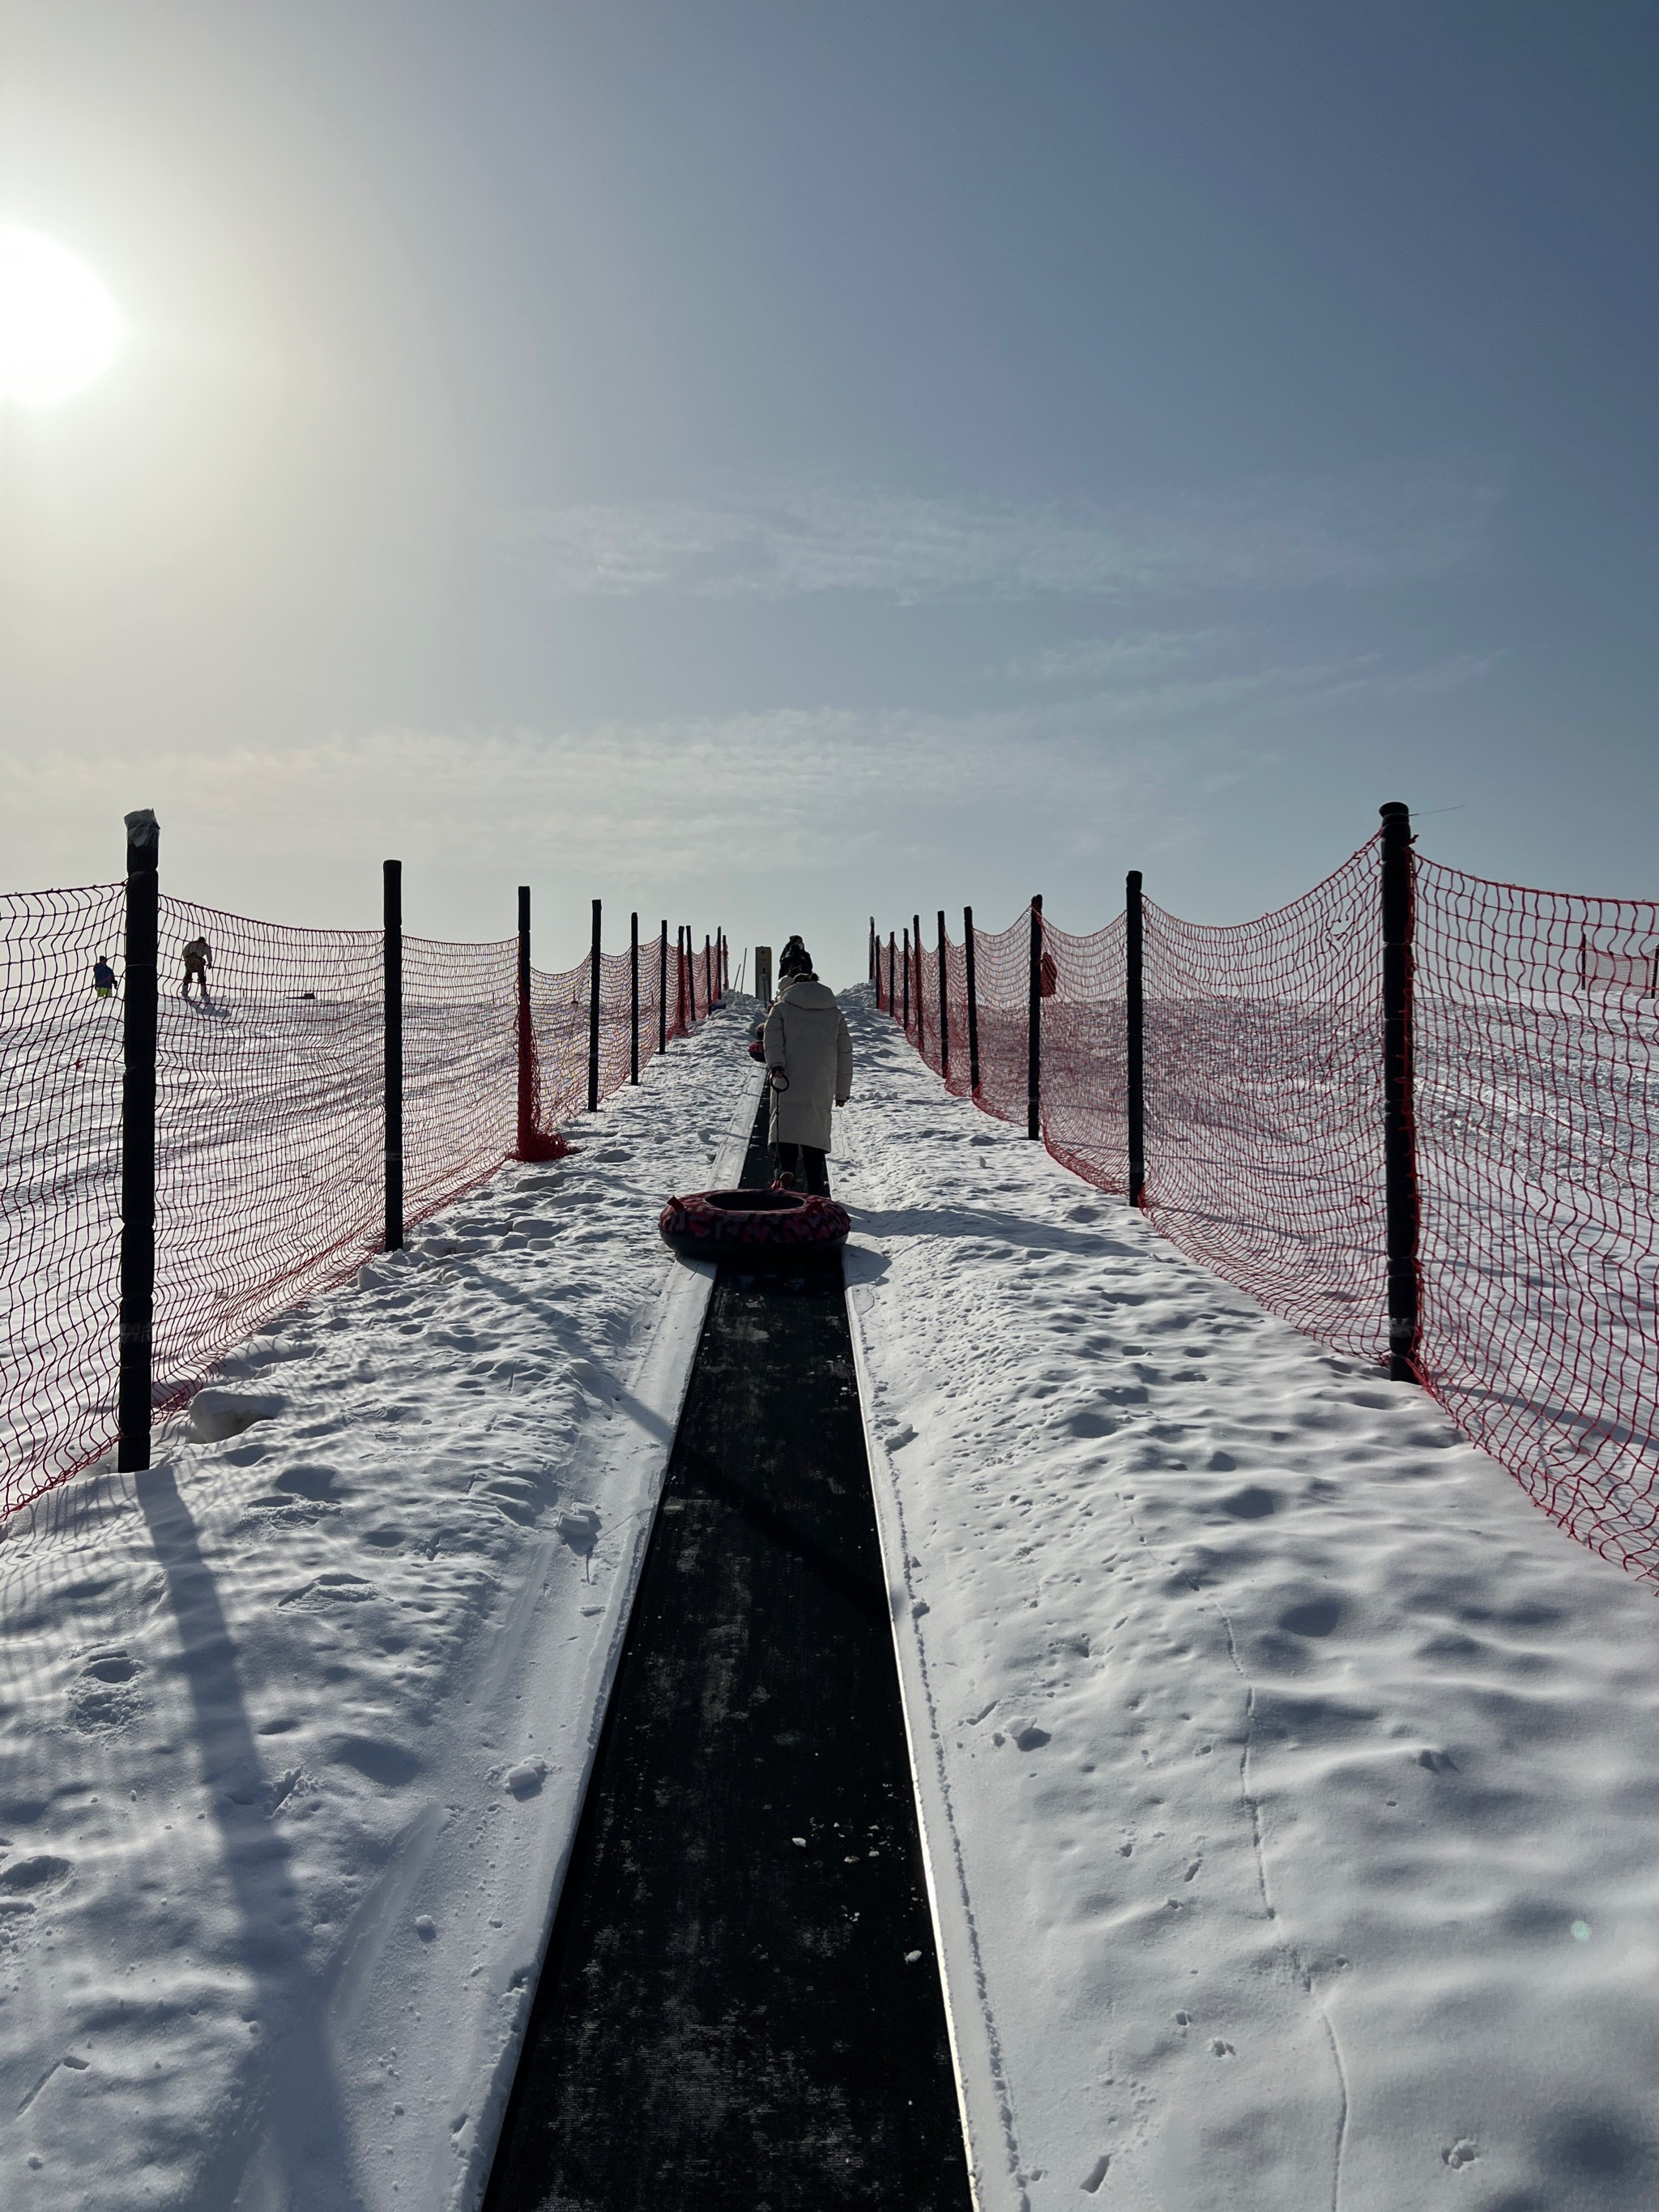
x=1290 y=1781
x=293 y=1729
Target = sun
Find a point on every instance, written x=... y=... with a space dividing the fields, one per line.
x=58 y=327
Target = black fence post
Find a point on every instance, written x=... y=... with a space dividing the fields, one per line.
x=634 y=997
x=973 y=1000
x=392 y=917
x=662 y=992
x=679 y=978
x=921 y=1004
x=594 y=1018
x=527 y=1035
x=1399 y=1112
x=1134 y=1043
x=1034 y=1028
x=892 y=972
x=907 y=983
x=134 y=1395
x=873 y=977
x=708 y=975
x=943 y=1002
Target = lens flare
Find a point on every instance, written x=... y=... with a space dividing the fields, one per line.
x=58 y=327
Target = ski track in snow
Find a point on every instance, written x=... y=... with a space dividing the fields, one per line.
x=1289 y=1779
x=294 y=1727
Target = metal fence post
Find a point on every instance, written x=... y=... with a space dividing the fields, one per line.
x=392 y=918
x=921 y=998
x=527 y=1035
x=892 y=971
x=1399 y=1114
x=1034 y=1028
x=708 y=975
x=593 y=1019
x=1134 y=1043
x=134 y=1395
x=679 y=978
x=972 y=1001
x=634 y=997
x=943 y=1002
x=662 y=992
x=907 y=983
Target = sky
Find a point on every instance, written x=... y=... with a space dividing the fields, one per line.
x=772 y=465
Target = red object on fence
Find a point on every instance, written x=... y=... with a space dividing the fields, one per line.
x=269 y=1132
x=1536 y=1055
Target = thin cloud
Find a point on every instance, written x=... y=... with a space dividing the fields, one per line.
x=821 y=785
x=792 y=539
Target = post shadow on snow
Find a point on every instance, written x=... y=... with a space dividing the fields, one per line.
x=740 y=2003
x=299 y=2111
x=1001 y=1228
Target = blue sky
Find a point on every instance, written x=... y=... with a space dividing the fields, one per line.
x=775 y=463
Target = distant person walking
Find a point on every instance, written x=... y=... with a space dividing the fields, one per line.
x=103 y=978
x=793 y=960
x=198 y=958
x=809 y=1059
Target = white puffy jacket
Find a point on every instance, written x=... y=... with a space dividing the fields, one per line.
x=806 y=1036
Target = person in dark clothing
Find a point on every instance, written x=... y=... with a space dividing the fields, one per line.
x=103 y=978
x=793 y=960
x=198 y=958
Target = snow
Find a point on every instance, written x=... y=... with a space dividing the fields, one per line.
x=296 y=1725
x=1288 y=1779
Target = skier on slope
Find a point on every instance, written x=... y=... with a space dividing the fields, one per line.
x=198 y=958
x=103 y=978
x=809 y=1059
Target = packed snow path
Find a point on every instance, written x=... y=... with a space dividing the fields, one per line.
x=1289 y=1781
x=740 y=2004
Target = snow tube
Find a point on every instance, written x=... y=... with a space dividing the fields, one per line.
x=756 y=1228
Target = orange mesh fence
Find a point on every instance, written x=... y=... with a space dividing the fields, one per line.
x=60 y=1228
x=1536 y=1049
x=269 y=1131
x=1264 y=1102
x=1537 y=1067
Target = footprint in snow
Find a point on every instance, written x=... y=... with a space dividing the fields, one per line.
x=1027 y=1735
x=104 y=1694
x=23 y=1876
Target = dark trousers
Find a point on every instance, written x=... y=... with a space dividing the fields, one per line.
x=807 y=1161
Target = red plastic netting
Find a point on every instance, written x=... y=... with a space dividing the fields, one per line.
x=1537 y=1068
x=269 y=1130
x=1536 y=1053
x=1264 y=1102
x=60 y=1058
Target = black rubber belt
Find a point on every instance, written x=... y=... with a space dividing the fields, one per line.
x=740 y=2008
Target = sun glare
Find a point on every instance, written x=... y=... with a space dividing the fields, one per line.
x=57 y=324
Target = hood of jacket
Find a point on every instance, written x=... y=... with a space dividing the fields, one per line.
x=798 y=991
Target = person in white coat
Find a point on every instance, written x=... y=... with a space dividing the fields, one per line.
x=809 y=1060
